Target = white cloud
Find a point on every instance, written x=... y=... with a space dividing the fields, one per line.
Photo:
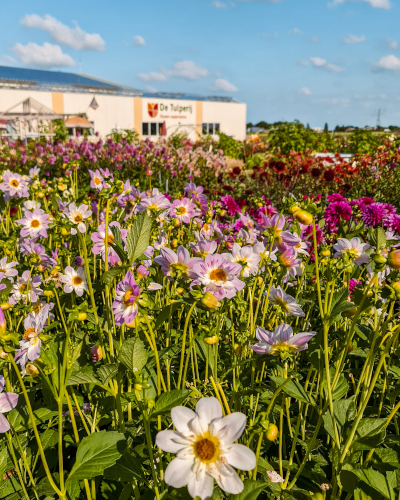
x=377 y=4
x=150 y=89
x=393 y=44
x=295 y=31
x=390 y=63
x=318 y=62
x=303 y=63
x=349 y=39
x=224 y=86
x=5 y=60
x=305 y=91
x=219 y=5
x=138 y=41
x=46 y=55
x=152 y=77
x=313 y=39
x=187 y=70
x=59 y=32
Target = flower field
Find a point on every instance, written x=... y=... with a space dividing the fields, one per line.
x=203 y=320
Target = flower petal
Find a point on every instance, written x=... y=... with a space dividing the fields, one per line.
x=4 y=425
x=179 y=472
x=181 y=416
x=301 y=338
x=208 y=409
x=8 y=401
x=201 y=484
x=166 y=440
x=229 y=428
x=241 y=457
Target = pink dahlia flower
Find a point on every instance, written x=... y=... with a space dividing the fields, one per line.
x=96 y=180
x=281 y=340
x=218 y=276
x=99 y=240
x=179 y=263
x=275 y=225
x=183 y=210
x=125 y=306
x=14 y=185
x=8 y=401
x=34 y=224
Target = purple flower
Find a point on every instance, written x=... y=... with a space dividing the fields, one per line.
x=274 y=226
x=124 y=306
x=79 y=261
x=8 y=401
x=335 y=197
x=29 y=247
x=373 y=214
x=14 y=185
x=288 y=260
x=218 y=276
x=335 y=212
x=281 y=340
x=26 y=289
x=99 y=240
x=35 y=224
x=179 y=263
x=204 y=247
x=96 y=180
x=183 y=210
x=231 y=205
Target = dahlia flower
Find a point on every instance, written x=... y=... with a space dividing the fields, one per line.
x=34 y=224
x=218 y=276
x=204 y=442
x=374 y=214
x=125 y=306
x=31 y=344
x=154 y=204
x=77 y=215
x=281 y=340
x=8 y=401
x=204 y=247
x=96 y=180
x=29 y=247
x=30 y=205
x=275 y=225
x=335 y=212
x=179 y=263
x=74 y=280
x=26 y=289
x=288 y=304
x=183 y=210
x=288 y=260
x=246 y=257
x=7 y=269
x=354 y=248
x=231 y=205
x=99 y=240
x=14 y=185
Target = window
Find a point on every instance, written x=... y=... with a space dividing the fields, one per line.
x=217 y=128
x=145 y=129
x=211 y=128
x=204 y=129
x=160 y=128
x=153 y=128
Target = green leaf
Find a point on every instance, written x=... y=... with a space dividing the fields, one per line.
x=138 y=236
x=169 y=400
x=164 y=314
x=376 y=480
x=96 y=453
x=107 y=372
x=385 y=459
x=83 y=376
x=370 y=433
x=133 y=354
x=109 y=276
x=361 y=495
x=378 y=239
x=339 y=297
x=125 y=469
x=250 y=491
x=294 y=389
x=3 y=460
x=344 y=306
x=344 y=411
x=120 y=252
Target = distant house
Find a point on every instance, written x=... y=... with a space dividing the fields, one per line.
x=369 y=128
x=77 y=124
x=350 y=129
x=256 y=130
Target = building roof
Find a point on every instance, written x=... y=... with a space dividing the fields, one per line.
x=78 y=121
x=59 y=81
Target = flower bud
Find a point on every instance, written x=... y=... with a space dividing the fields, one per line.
x=211 y=340
x=3 y=354
x=82 y=316
x=303 y=217
x=3 y=323
x=396 y=288
x=138 y=387
x=174 y=243
x=47 y=293
x=31 y=370
x=79 y=261
x=96 y=353
x=272 y=432
x=64 y=232
x=394 y=259
x=326 y=253
x=6 y=306
x=177 y=223
x=294 y=208
x=180 y=291
x=350 y=312
x=210 y=301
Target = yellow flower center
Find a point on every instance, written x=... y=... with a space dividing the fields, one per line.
x=14 y=183
x=282 y=303
x=207 y=448
x=97 y=181
x=353 y=253
x=181 y=210
x=110 y=239
x=127 y=296
x=77 y=280
x=179 y=267
x=78 y=218
x=218 y=275
x=35 y=223
x=28 y=332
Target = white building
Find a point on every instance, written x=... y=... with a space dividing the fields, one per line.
x=109 y=106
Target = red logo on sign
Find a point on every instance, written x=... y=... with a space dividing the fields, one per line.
x=152 y=109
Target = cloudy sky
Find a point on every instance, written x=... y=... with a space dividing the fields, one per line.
x=335 y=61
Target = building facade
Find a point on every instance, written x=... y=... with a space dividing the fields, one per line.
x=110 y=106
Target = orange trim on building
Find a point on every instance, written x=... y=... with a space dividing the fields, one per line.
x=137 y=115
x=199 y=116
x=58 y=102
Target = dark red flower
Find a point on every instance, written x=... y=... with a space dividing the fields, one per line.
x=237 y=170
x=315 y=173
x=329 y=175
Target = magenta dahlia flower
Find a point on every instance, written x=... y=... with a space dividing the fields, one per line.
x=231 y=205
x=335 y=212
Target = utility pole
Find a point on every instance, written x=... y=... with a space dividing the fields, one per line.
x=378 y=120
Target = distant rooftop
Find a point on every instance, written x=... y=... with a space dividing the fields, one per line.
x=58 y=81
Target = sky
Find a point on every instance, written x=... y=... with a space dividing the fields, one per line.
x=334 y=61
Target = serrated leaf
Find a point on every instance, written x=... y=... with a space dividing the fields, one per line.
x=251 y=490
x=83 y=376
x=138 y=236
x=169 y=400
x=125 y=469
x=133 y=354
x=96 y=453
x=376 y=480
x=109 y=276
x=294 y=390
x=370 y=433
x=107 y=372
x=378 y=239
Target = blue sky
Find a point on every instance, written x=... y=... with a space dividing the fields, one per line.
x=335 y=61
